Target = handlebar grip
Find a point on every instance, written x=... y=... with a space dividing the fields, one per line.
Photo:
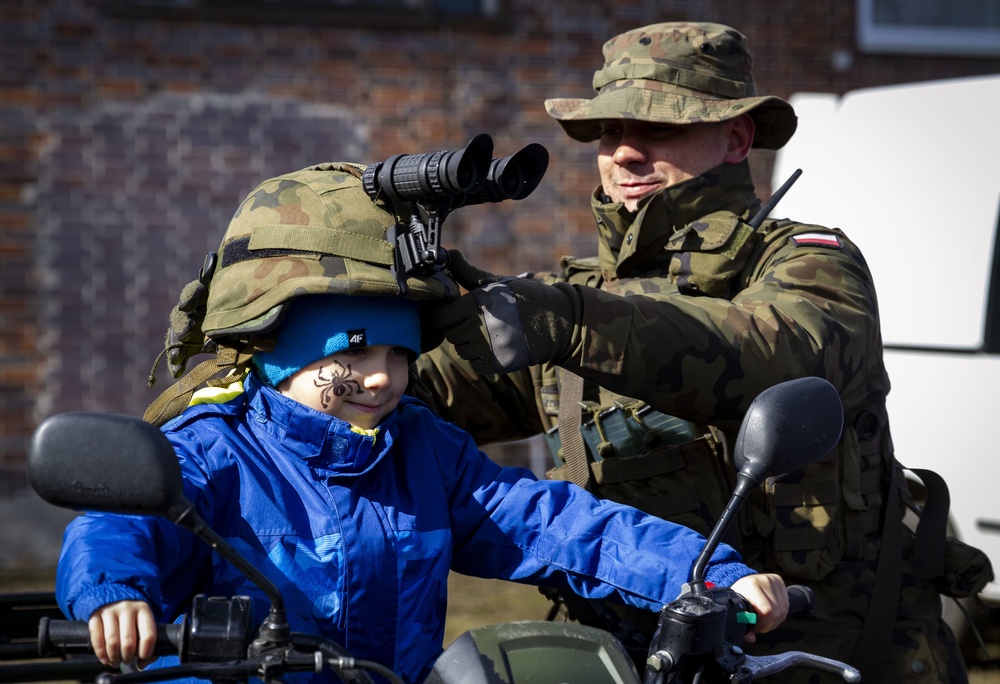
x=60 y=637
x=56 y=637
x=801 y=601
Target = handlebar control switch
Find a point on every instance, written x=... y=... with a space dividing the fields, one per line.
x=218 y=629
x=690 y=626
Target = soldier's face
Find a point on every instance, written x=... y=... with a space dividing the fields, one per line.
x=636 y=158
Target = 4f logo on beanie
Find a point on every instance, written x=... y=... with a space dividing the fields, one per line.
x=356 y=338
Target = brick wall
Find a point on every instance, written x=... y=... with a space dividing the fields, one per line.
x=127 y=140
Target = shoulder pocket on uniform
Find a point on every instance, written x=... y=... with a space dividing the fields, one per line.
x=709 y=254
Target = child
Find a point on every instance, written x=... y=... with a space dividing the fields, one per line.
x=354 y=499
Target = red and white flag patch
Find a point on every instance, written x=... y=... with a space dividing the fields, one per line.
x=817 y=240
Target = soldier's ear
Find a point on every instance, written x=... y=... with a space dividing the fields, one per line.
x=739 y=135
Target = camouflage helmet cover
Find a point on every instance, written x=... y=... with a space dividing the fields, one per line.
x=313 y=231
x=677 y=73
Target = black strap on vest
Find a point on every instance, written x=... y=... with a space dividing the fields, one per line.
x=872 y=648
x=932 y=530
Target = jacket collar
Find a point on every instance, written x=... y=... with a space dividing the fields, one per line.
x=323 y=441
x=631 y=243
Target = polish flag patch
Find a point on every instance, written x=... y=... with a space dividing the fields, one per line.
x=817 y=240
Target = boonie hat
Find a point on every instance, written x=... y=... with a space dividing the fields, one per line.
x=678 y=73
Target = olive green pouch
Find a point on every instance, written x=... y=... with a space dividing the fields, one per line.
x=966 y=570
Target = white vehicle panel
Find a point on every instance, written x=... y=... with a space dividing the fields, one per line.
x=911 y=174
x=935 y=425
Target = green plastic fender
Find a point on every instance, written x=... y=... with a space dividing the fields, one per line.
x=535 y=652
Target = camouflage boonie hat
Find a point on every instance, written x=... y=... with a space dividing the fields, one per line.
x=314 y=231
x=676 y=73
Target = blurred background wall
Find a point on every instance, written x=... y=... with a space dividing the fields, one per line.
x=130 y=130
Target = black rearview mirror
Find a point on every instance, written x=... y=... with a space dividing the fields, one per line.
x=788 y=426
x=120 y=464
x=105 y=462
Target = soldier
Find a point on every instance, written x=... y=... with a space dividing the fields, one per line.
x=352 y=498
x=691 y=308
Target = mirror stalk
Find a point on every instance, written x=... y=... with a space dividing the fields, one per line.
x=275 y=629
x=744 y=485
x=786 y=427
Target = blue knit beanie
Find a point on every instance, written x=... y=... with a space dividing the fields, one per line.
x=317 y=326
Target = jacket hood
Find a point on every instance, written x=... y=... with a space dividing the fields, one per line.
x=632 y=243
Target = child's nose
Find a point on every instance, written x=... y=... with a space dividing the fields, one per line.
x=377 y=371
x=377 y=379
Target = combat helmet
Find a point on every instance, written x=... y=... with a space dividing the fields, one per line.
x=314 y=231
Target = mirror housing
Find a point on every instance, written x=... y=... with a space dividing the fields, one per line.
x=121 y=464
x=788 y=426
x=105 y=462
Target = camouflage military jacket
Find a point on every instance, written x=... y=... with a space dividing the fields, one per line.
x=694 y=312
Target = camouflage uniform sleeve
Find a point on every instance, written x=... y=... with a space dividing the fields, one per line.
x=492 y=408
x=804 y=309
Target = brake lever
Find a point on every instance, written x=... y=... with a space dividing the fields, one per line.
x=198 y=670
x=762 y=666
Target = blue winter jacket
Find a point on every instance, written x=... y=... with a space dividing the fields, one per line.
x=360 y=530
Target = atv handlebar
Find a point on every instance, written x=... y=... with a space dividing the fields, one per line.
x=66 y=637
x=202 y=656
x=801 y=601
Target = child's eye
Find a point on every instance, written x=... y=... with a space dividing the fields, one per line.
x=399 y=351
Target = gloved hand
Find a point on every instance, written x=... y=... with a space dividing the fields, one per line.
x=507 y=323
x=184 y=336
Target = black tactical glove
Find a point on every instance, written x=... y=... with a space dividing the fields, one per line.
x=507 y=323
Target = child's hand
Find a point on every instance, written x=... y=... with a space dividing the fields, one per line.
x=767 y=595
x=123 y=632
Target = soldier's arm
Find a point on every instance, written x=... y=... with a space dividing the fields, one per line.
x=805 y=311
x=492 y=408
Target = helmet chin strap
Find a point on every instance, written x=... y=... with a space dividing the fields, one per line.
x=175 y=399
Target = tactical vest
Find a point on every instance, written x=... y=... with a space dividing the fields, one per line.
x=801 y=525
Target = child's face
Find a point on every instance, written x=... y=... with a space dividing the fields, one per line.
x=360 y=386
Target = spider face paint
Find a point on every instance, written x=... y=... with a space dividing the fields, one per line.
x=361 y=386
x=338 y=383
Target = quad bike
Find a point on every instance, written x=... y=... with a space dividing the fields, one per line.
x=120 y=464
